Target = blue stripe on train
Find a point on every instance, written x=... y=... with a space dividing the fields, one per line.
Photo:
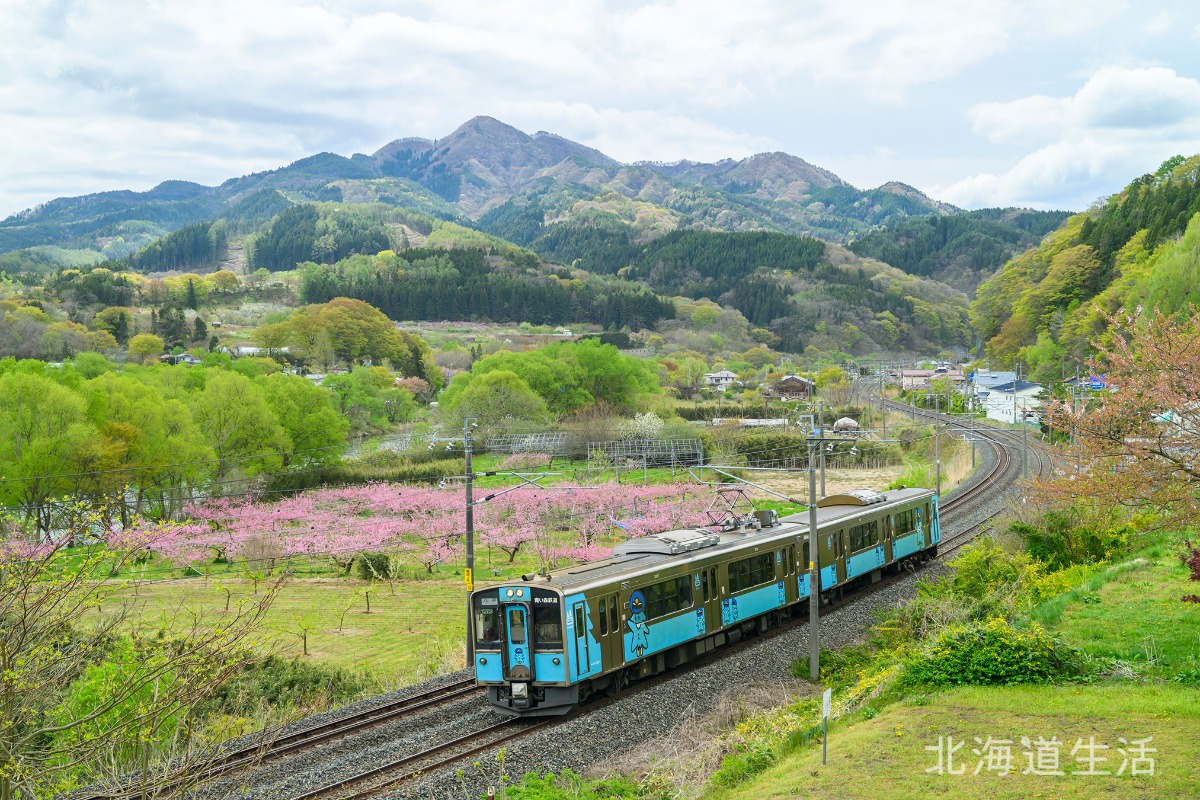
x=753 y=603
x=651 y=637
x=907 y=545
x=864 y=562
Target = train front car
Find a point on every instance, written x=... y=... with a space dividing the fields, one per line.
x=519 y=656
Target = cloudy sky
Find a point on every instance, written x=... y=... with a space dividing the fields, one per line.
x=1043 y=103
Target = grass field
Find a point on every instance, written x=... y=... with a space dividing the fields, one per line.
x=1132 y=613
x=1146 y=642
x=415 y=629
x=885 y=758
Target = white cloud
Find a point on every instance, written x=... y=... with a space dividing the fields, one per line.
x=1121 y=122
x=644 y=135
x=111 y=93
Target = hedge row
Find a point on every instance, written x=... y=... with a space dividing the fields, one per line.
x=366 y=472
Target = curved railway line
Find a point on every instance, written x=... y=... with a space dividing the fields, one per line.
x=315 y=735
x=396 y=773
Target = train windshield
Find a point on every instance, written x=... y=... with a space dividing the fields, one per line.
x=547 y=626
x=487 y=622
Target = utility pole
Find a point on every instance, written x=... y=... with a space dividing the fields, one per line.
x=1024 y=446
x=971 y=428
x=821 y=412
x=882 y=405
x=937 y=441
x=469 y=572
x=814 y=575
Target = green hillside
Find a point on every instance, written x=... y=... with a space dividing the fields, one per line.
x=1140 y=248
x=961 y=250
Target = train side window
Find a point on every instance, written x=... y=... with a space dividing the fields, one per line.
x=612 y=613
x=712 y=578
x=792 y=558
x=579 y=629
x=603 y=617
x=668 y=597
x=704 y=584
x=752 y=571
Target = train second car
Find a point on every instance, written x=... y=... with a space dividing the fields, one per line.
x=545 y=644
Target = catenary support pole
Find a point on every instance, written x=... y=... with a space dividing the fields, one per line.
x=821 y=449
x=937 y=440
x=1024 y=447
x=883 y=404
x=814 y=575
x=469 y=573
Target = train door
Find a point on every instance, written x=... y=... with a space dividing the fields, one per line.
x=612 y=637
x=710 y=598
x=829 y=551
x=935 y=523
x=841 y=555
x=581 y=649
x=520 y=660
x=886 y=537
x=805 y=570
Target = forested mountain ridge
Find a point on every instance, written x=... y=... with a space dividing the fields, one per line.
x=481 y=166
x=1140 y=248
x=961 y=250
x=491 y=187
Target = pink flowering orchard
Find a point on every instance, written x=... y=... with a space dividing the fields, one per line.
x=426 y=525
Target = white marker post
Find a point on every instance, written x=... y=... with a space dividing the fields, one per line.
x=826 y=701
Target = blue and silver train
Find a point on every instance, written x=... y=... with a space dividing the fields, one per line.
x=544 y=644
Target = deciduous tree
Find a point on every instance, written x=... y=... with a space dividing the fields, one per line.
x=1137 y=443
x=145 y=347
x=88 y=696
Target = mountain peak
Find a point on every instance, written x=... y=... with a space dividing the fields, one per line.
x=488 y=127
x=913 y=193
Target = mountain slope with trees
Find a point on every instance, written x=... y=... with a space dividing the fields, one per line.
x=961 y=250
x=1141 y=247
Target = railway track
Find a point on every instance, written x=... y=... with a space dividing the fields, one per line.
x=1006 y=471
x=278 y=746
x=395 y=773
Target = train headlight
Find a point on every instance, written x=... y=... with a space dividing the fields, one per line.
x=520 y=592
x=508 y=592
x=520 y=691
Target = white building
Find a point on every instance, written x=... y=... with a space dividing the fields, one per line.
x=1010 y=402
x=720 y=380
x=984 y=380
